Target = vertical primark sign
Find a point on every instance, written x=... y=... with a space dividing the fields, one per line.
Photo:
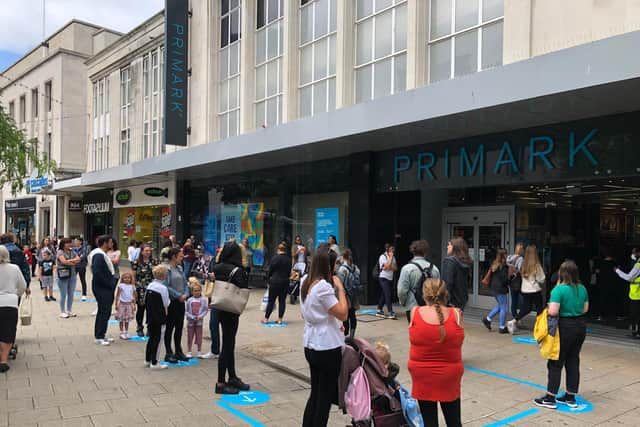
x=176 y=21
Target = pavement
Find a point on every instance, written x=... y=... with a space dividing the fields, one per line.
x=61 y=378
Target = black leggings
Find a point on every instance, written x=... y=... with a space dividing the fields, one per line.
x=82 y=272
x=573 y=331
x=155 y=336
x=175 y=323
x=351 y=322
x=325 y=369
x=385 y=296
x=634 y=312
x=450 y=410
x=530 y=302
x=141 y=307
x=227 y=361
x=280 y=293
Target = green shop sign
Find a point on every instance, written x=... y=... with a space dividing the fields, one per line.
x=123 y=197
x=156 y=192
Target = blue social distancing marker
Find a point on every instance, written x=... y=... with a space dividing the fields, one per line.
x=114 y=322
x=370 y=311
x=191 y=362
x=275 y=325
x=524 y=340
x=252 y=397
x=87 y=300
x=136 y=338
x=583 y=406
x=512 y=418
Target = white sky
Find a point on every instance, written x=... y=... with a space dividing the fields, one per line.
x=21 y=20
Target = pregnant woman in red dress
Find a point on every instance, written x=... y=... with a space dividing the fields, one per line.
x=435 y=355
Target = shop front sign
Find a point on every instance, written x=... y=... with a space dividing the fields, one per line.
x=75 y=205
x=28 y=204
x=96 y=208
x=176 y=16
x=123 y=197
x=156 y=192
x=163 y=193
x=565 y=151
x=327 y=224
x=165 y=221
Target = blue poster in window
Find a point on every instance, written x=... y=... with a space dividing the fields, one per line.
x=211 y=232
x=327 y=223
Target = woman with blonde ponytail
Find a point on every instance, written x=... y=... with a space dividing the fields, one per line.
x=436 y=334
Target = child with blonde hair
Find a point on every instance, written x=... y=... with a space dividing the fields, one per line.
x=156 y=305
x=125 y=303
x=196 y=310
x=382 y=350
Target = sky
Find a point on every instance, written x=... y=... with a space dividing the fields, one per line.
x=21 y=20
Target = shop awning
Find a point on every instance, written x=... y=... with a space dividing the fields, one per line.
x=589 y=80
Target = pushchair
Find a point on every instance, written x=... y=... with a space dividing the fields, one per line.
x=386 y=409
x=294 y=284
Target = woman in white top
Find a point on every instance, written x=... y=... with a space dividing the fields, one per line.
x=12 y=286
x=323 y=315
x=299 y=255
x=531 y=289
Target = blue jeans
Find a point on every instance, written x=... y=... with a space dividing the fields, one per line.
x=67 y=287
x=500 y=307
x=214 y=328
x=187 y=269
x=515 y=302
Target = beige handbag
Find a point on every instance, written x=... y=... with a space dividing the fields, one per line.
x=208 y=288
x=228 y=297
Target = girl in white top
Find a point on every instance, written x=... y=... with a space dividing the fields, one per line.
x=125 y=303
x=323 y=315
x=531 y=289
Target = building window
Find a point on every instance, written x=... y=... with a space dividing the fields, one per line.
x=152 y=90
x=47 y=95
x=100 y=123
x=23 y=108
x=317 y=56
x=34 y=103
x=46 y=149
x=269 y=32
x=12 y=110
x=465 y=37
x=125 y=103
x=381 y=48
x=229 y=54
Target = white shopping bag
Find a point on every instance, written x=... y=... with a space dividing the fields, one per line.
x=265 y=301
x=25 y=310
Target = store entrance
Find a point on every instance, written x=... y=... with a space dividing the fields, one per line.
x=485 y=229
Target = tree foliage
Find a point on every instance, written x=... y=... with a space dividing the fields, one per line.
x=19 y=156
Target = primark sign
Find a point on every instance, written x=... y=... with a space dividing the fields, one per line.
x=586 y=149
x=176 y=71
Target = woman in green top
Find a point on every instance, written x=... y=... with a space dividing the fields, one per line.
x=570 y=301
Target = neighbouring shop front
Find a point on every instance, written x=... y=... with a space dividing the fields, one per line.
x=144 y=213
x=572 y=189
x=20 y=218
x=96 y=206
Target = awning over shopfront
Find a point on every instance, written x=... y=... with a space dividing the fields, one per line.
x=590 y=80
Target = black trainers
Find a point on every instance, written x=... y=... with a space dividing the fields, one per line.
x=170 y=358
x=4 y=368
x=223 y=388
x=181 y=356
x=52 y=299
x=486 y=323
x=503 y=330
x=568 y=399
x=237 y=383
x=546 y=401
x=46 y=298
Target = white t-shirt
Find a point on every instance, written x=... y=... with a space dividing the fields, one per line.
x=126 y=292
x=385 y=274
x=321 y=329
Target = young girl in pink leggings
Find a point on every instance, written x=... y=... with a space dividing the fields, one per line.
x=196 y=310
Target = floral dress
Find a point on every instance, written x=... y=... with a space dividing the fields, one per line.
x=144 y=276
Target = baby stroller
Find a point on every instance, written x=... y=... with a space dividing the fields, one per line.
x=386 y=409
x=294 y=284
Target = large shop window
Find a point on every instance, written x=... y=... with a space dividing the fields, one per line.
x=147 y=224
x=229 y=108
x=269 y=33
x=465 y=37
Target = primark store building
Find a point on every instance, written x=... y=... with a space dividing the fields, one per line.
x=378 y=121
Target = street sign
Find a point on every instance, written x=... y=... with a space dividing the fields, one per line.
x=35 y=185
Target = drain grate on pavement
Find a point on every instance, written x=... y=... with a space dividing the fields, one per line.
x=266 y=348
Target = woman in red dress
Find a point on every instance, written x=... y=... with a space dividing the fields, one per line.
x=435 y=355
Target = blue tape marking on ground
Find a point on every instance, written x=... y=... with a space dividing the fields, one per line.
x=583 y=406
x=370 y=311
x=113 y=322
x=240 y=415
x=524 y=340
x=246 y=398
x=513 y=418
x=192 y=362
x=87 y=300
x=504 y=377
x=275 y=325
x=136 y=338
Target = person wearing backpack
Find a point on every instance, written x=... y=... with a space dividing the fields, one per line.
x=349 y=275
x=413 y=276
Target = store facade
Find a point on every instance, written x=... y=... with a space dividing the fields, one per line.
x=98 y=215
x=20 y=219
x=144 y=213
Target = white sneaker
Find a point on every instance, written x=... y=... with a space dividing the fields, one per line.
x=199 y=355
x=94 y=312
x=84 y=298
x=209 y=355
x=110 y=339
x=64 y=315
x=104 y=342
x=158 y=366
x=189 y=355
x=72 y=314
x=511 y=326
x=123 y=336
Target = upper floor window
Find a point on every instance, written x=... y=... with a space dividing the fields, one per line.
x=125 y=102
x=47 y=95
x=34 y=103
x=23 y=108
x=465 y=37
x=12 y=110
x=381 y=48
x=317 y=56
x=269 y=32
x=229 y=54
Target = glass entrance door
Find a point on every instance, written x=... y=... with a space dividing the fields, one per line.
x=485 y=230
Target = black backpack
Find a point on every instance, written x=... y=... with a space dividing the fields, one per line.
x=427 y=273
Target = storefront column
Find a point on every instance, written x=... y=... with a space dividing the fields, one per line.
x=65 y=213
x=180 y=220
x=359 y=223
x=432 y=202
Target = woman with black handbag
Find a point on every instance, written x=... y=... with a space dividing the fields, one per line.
x=229 y=268
x=533 y=277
